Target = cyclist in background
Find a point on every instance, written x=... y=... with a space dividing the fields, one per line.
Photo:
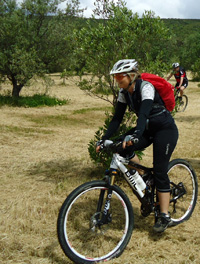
x=155 y=125
x=180 y=76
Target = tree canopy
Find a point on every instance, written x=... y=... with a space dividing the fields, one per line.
x=37 y=38
x=34 y=39
x=121 y=34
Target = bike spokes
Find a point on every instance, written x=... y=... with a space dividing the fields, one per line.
x=91 y=232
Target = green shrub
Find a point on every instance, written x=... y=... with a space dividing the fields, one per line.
x=31 y=101
x=104 y=158
x=195 y=70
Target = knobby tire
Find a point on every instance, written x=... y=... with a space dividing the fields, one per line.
x=84 y=243
x=183 y=182
x=181 y=105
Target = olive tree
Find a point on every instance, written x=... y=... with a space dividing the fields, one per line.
x=35 y=39
x=119 y=34
x=190 y=55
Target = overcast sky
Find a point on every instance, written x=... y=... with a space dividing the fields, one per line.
x=162 y=8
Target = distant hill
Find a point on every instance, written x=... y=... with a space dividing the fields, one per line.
x=183 y=27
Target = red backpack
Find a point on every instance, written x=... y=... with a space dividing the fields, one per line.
x=164 y=88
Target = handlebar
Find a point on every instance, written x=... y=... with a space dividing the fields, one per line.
x=109 y=145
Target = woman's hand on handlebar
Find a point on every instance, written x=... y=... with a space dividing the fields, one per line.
x=127 y=144
x=98 y=148
x=115 y=147
x=101 y=144
x=129 y=140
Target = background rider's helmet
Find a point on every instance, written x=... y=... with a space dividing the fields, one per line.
x=175 y=65
x=125 y=65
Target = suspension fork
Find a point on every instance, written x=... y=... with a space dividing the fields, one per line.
x=106 y=217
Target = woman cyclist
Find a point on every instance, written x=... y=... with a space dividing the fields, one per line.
x=155 y=125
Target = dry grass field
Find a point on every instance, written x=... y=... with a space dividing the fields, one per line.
x=44 y=156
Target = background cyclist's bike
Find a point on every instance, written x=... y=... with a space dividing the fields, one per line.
x=181 y=102
x=96 y=220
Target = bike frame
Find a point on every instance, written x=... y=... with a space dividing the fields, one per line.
x=118 y=164
x=176 y=92
x=148 y=200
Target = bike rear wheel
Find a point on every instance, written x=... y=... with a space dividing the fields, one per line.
x=184 y=190
x=81 y=238
x=181 y=104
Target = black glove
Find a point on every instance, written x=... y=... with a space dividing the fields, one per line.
x=132 y=138
x=100 y=143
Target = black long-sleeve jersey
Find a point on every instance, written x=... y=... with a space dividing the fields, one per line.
x=146 y=103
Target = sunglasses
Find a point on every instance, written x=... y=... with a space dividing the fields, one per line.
x=119 y=76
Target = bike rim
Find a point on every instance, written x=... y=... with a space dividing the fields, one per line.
x=70 y=238
x=183 y=104
x=184 y=204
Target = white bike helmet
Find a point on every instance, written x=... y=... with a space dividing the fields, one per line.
x=125 y=65
x=175 y=65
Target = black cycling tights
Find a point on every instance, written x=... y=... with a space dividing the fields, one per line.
x=164 y=142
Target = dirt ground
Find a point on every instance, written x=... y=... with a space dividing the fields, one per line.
x=44 y=156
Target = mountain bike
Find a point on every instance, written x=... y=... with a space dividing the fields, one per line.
x=96 y=221
x=181 y=102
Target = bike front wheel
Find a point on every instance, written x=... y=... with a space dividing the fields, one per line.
x=82 y=239
x=184 y=190
x=182 y=103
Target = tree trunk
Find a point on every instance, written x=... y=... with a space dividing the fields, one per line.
x=16 y=90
